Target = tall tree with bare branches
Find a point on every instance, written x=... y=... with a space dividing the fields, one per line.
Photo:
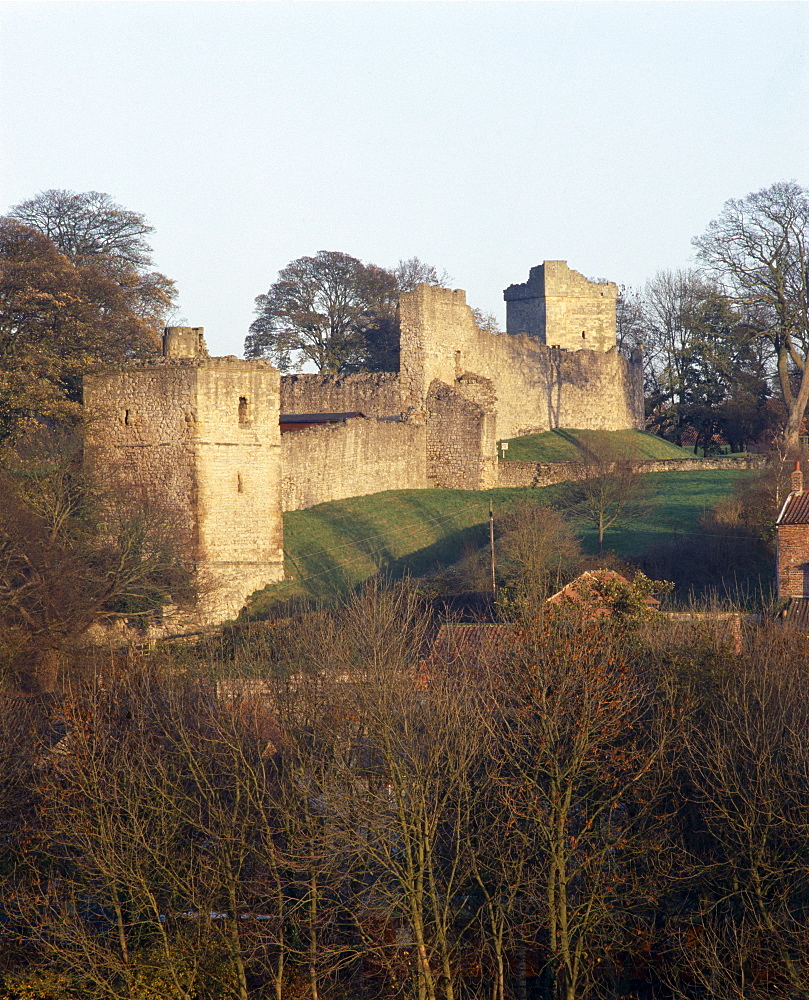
x=758 y=248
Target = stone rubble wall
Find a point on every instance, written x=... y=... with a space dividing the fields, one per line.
x=139 y=442
x=492 y=387
x=522 y=474
x=352 y=458
x=563 y=308
x=538 y=388
x=376 y=394
x=460 y=440
x=239 y=477
x=201 y=439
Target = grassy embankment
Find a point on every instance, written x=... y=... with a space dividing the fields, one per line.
x=567 y=446
x=336 y=546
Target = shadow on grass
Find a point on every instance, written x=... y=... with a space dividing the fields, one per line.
x=441 y=554
x=327 y=582
x=579 y=445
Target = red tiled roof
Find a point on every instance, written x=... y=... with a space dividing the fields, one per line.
x=689 y=437
x=796 y=509
x=460 y=641
x=580 y=589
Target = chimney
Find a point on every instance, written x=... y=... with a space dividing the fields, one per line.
x=796 y=480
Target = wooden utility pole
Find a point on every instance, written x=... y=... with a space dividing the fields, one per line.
x=491 y=549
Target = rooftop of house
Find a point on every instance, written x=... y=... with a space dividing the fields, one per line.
x=797 y=612
x=585 y=588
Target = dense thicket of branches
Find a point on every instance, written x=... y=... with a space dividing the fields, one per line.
x=75 y=554
x=558 y=808
x=758 y=249
x=705 y=371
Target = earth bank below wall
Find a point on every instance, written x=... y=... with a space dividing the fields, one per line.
x=513 y=473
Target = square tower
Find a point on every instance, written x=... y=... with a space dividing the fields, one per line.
x=199 y=437
x=562 y=308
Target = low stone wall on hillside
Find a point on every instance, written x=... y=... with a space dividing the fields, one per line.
x=351 y=459
x=513 y=473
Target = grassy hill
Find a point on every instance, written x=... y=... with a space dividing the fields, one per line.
x=335 y=546
x=566 y=445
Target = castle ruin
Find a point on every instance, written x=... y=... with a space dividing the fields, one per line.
x=198 y=438
x=204 y=434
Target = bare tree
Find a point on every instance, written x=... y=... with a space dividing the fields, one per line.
x=743 y=869
x=397 y=809
x=88 y=226
x=413 y=271
x=100 y=236
x=326 y=310
x=607 y=489
x=581 y=773
x=537 y=553
x=60 y=319
x=61 y=570
x=114 y=878
x=631 y=321
x=758 y=248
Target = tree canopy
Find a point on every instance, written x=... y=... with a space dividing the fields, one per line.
x=96 y=233
x=335 y=312
x=703 y=370
x=758 y=250
x=89 y=227
x=57 y=319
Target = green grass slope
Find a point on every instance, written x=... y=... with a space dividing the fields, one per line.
x=568 y=445
x=335 y=546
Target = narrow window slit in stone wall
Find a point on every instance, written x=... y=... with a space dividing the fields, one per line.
x=127 y=420
x=243 y=410
x=239 y=483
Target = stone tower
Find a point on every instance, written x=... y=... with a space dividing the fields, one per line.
x=561 y=308
x=200 y=438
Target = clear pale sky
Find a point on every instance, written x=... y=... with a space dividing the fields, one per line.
x=481 y=137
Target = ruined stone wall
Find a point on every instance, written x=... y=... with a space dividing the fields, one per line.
x=562 y=308
x=140 y=441
x=350 y=459
x=201 y=438
x=537 y=388
x=523 y=474
x=460 y=439
x=376 y=394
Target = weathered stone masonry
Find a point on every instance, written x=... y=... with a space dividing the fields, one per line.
x=201 y=435
x=474 y=388
x=348 y=459
x=561 y=308
x=537 y=388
